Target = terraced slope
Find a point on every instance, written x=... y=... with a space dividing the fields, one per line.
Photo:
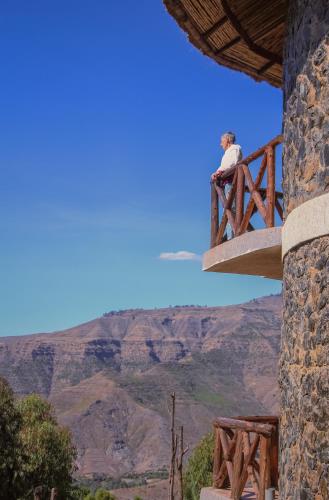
x=109 y=379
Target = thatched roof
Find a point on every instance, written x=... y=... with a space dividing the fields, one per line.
x=246 y=35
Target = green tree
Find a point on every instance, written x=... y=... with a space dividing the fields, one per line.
x=198 y=472
x=102 y=494
x=47 y=447
x=90 y=496
x=79 y=492
x=10 y=449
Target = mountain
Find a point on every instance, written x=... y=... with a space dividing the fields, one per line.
x=110 y=379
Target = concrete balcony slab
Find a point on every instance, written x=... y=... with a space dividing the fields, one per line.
x=217 y=494
x=257 y=253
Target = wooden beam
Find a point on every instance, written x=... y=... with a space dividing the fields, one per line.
x=274 y=454
x=221 y=230
x=228 y=45
x=265 y=67
x=251 y=203
x=215 y=27
x=221 y=478
x=188 y=24
x=278 y=207
x=249 y=457
x=218 y=458
x=237 y=467
x=261 y=51
x=230 y=423
x=227 y=453
x=226 y=203
x=250 y=469
x=239 y=199
x=254 y=193
x=265 y=419
x=214 y=216
x=270 y=187
x=264 y=463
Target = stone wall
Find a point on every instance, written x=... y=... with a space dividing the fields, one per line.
x=304 y=373
x=306 y=102
x=304 y=366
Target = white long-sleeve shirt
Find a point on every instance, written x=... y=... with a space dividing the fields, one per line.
x=231 y=157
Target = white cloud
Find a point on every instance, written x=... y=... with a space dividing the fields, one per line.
x=181 y=255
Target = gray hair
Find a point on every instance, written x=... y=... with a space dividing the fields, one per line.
x=230 y=136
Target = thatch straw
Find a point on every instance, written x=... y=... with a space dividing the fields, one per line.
x=245 y=35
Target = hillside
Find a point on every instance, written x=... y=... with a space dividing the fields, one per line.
x=109 y=379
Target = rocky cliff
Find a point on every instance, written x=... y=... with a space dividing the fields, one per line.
x=110 y=379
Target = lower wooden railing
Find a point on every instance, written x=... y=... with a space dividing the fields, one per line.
x=246 y=454
x=247 y=196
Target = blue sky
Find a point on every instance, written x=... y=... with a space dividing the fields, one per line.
x=110 y=122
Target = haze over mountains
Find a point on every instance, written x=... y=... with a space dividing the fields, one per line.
x=110 y=379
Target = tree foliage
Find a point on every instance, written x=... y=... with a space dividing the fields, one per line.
x=100 y=494
x=34 y=449
x=47 y=447
x=198 y=472
x=10 y=449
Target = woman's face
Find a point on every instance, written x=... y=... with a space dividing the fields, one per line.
x=224 y=142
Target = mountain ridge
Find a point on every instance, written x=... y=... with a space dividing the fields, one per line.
x=109 y=379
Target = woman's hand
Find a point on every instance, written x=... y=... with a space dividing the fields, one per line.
x=216 y=175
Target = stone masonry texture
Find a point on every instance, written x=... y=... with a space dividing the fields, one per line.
x=304 y=374
x=304 y=364
x=306 y=103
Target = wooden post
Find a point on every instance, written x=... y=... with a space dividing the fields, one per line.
x=250 y=452
x=239 y=199
x=278 y=206
x=245 y=425
x=54 y=494
x=173 y=449
x=264 y=464
x=227 y=203
x=254 y=193
x=182 y=452
x=214 y=215
x=237 y=467
x=274 y=453
x=38 y=493
x=227 y=454
x=270 y=188
x=218 y=458
x=221 y=230
x=250 y=206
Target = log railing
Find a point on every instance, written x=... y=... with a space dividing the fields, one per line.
x=246 y=455
x=247 y=196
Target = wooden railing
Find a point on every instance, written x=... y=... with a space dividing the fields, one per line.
x=246 y=454
x=264 y=200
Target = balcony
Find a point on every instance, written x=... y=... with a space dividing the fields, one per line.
x=245 y=459
x=254 y=211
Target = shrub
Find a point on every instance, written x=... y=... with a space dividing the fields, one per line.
x=34 y=450
x=102 y=494
x=10 y=449
x=198 y=472
x=49 y=454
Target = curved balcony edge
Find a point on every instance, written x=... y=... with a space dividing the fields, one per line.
x=256 y=253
